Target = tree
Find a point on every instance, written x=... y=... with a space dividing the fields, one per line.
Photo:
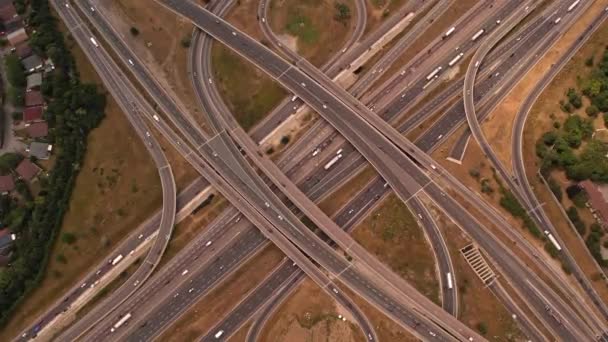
x=134 y=31
x=592 y=110
x=68 y=238
x=9 y=161
x=14 y=71
x=342 y=12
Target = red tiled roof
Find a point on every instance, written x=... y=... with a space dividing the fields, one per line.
x=27 y=170
x=4 y=232
x=33 y=98
x=6 y=183
x=7 y=11
x=23 y=50
x=596 y=198
x=32 y=114
x=38 y=129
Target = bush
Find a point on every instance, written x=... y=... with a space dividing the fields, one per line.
x=556 y=189
x=186 y=41
x=482 y=328
x=574 y=98
x=9 y=161
x=592 y=110
x=14 y=71
x=580 y=199
x=285 y=140
x=134 y=31
x=342 y=12
x=17 y=116
x=589 y=61
x=572 y=213
x=68 y=238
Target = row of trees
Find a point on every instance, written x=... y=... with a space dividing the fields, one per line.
x=74 y=109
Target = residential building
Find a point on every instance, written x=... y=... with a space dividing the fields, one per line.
x=33 y=98
x=7 y=11
x=23 y=50
x=40 y=150
x=17 y=37
x=598 y=200
x=34 y=80
x=12 y=25
x=32 y=63
x=27 y=170
x=32 y=114
x=6 y=184
x=37 y=129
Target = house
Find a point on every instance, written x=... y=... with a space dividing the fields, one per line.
x=32 y=63
x=7 y=11
x=6 y=241
x=17 y=37
x=34 y=80
x=598 y=200
x=13 y=25
x=40 y=150
x=33 y=98
x=23 y=50
x=6 y=184
x=27 y=170
x=32 y=114
x=37 y=129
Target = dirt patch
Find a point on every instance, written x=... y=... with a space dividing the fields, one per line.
x=205 y=313
x=340 y=197
x=378 y=10
x=314 y=24
x=309 y=315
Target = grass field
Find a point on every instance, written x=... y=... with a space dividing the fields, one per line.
x=392 y=234
x=249 y=93
x=319 y=34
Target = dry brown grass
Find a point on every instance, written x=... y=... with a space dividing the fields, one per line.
x=346 y=192
x=309 y=314
x=318 y=35
x=159 y=45
x=393 y=235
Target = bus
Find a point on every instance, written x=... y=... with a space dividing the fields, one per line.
x=219 y=334
x=433 y=73
x=332 y=162
x=478 y=34
x=455 y=59
x=448 y=276
x=553 y=240
x=449 y=32
x=120 y=322
x=94 y=42
x=116 y=260
x=571 y=7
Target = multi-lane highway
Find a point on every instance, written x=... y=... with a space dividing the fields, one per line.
x=244 y=180
x=530 y=204
x=325 y=96
x=239 y=33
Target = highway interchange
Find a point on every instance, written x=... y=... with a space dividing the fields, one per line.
x=301 y=84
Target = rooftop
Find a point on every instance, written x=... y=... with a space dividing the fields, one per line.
x=40 y=150
x=27 y=170
x=37 y=129
x=33 y=98
x=32 y=114
x=31 y=63
x=34 y=80
x=6 y=184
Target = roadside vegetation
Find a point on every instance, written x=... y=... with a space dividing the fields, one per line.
x=74 y=109
x=576 y=147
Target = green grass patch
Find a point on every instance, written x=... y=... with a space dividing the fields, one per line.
x=302 y=27
x=249 y=93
